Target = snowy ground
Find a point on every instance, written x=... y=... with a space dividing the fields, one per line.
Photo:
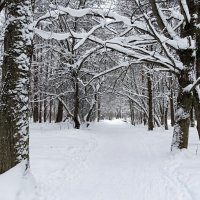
x=111 y=160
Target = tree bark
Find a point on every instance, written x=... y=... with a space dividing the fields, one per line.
x=14 y=115
x=150 y=102
x=98 y=107
x=40 y=109
x=172 y=108
x=45 y=109
x=76 y=105
x=197 y=110
x=59 y=117
x=182 y=117
x=197 y=89
x=50 y=110
x=166 y=114
x=35 y=90
x=184 y=99
x=35 y=109
x=192 y=120
x=88 y=117
x=132 y=112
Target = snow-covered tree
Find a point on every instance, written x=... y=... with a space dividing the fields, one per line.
x=14 y=113
x=162 y=33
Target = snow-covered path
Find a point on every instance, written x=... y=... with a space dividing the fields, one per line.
x=111 y=161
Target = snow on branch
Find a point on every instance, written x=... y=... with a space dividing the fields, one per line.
x=121 y=65
x=161 y=19
x=60 y=10
x=81 y=42
x=186 y=9
x=144 y=33
x=190 y=87
x=80 y=61
x=132 y=50
x=140 y=54
x=47 y=35
x=134 y=100
x=56 y=96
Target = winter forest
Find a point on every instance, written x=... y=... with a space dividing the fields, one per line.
x=99 y=99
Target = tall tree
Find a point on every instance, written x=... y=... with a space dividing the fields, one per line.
x=184 y=100
x=150 y=101
x=196 y=91
x=14 y=123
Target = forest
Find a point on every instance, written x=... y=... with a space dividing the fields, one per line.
x=83 y=80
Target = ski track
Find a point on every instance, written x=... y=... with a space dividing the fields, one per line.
x=113 y=162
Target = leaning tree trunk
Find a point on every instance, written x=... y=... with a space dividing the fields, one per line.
x=14 y=122
x=89 y=114
x=2 y=4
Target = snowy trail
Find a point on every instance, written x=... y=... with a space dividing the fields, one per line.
x=112 y=162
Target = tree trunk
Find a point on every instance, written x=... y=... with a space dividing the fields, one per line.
x=162 y=112
x=150 y=102
x=45 y=109
x=98 y=108
x=166 y=114
x=40 y=109
x=192 y=120
x=132 y=112
x=172 y=108
x=35 y=90
x=14 y=114
x=76 y=105
x=184 y=99
x=45 y=96
x=197 y=109
x=35 y=109
x=59 y=117
x=88 y=117
x=197 y=89
x=182 y=117
x=50 y=110
x=144 y=119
